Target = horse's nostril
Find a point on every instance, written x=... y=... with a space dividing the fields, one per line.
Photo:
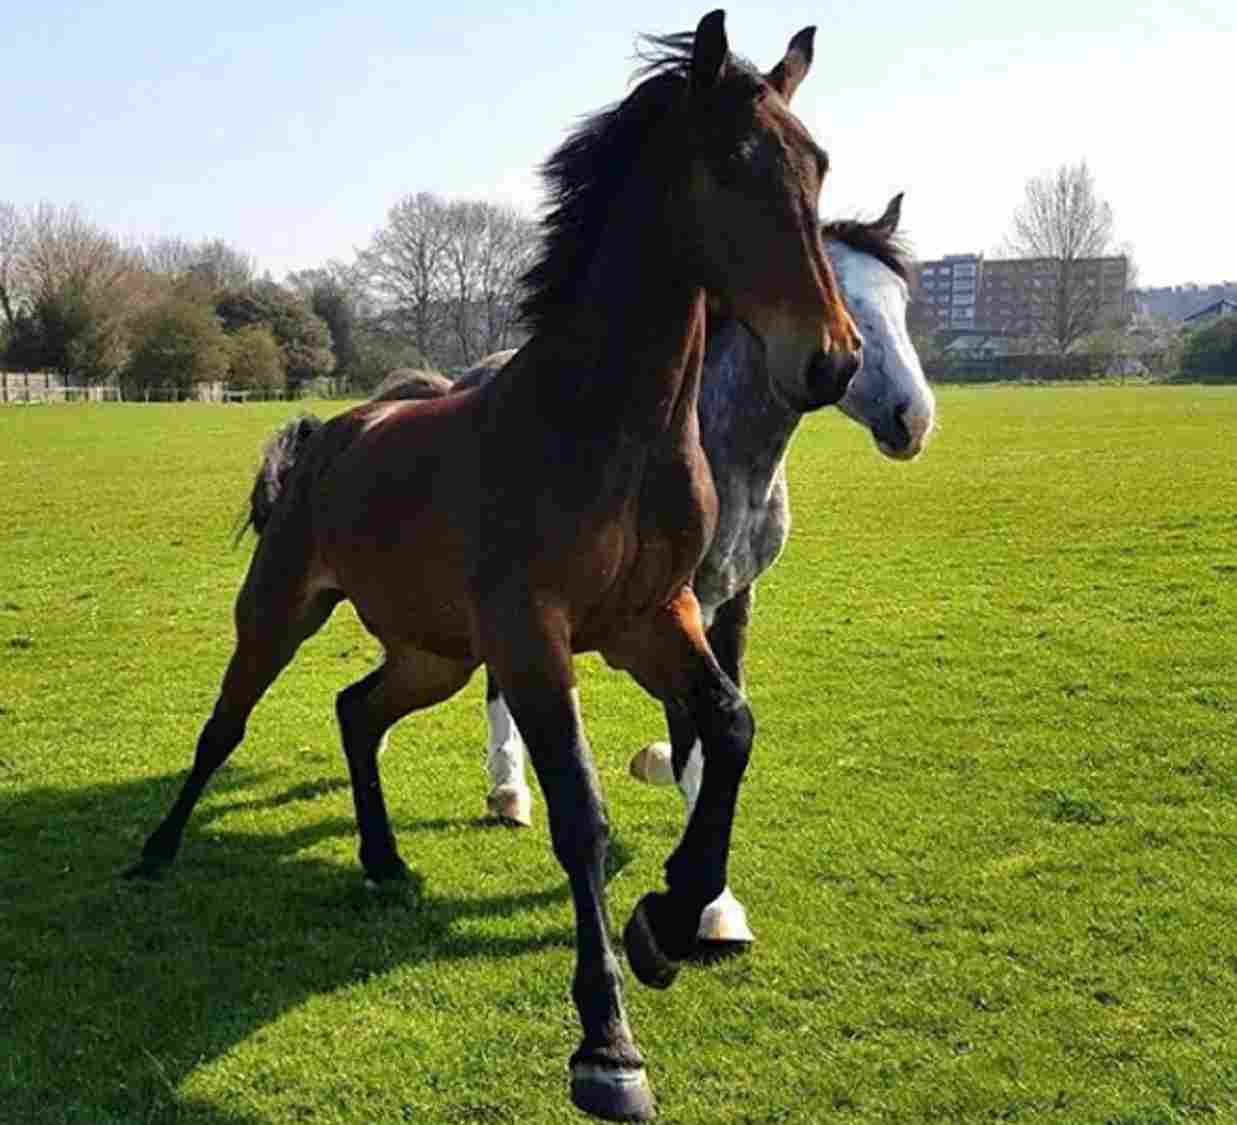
x=900 y=427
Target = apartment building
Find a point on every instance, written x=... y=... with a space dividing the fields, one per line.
x=948 y=291
x=1015 y=296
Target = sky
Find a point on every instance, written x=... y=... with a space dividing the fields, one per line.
x=289 y=130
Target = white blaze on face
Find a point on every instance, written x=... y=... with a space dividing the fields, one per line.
x=891 y=372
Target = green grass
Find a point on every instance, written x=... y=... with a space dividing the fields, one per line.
x=988 y=839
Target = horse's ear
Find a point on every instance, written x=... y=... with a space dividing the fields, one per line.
x=888 y=222
x=786 y=76
x=709 y=51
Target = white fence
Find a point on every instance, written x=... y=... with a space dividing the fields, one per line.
x=39 y=386
x=19 y=387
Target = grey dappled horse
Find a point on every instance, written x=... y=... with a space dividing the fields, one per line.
x=746 y=430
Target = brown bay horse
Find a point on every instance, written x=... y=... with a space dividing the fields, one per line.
x=457 y=547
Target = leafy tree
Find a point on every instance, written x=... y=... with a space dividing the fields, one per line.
x=69 y=330
x=1211 y=352
x=255 y=361
x=335 y=307
x=67 y=289
x=303 y=338
x=178 y=341
x=376 y=354
x=336 y=293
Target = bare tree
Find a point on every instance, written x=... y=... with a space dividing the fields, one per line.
x=168 y=257
x=63 y=248
x=220 y=266
x=12 y=241
x=406 y=265
x=510 y=243
x=466 y=222
x=1064 y=224
x=77 y=288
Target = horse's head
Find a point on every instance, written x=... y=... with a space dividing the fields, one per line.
x=746 y=216
x=889 y=395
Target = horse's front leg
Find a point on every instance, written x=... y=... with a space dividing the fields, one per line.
x=529 y=652
x=723 y=924
x=670 y=656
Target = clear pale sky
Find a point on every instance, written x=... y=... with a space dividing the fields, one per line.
x=288 y=130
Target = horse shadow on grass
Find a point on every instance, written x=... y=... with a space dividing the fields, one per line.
x=113 y=991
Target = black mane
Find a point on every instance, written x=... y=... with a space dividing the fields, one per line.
x=874 y=239
x=586 y=172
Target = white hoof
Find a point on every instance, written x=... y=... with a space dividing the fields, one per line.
x=725 y=920
x=653 y=764
x=512 y=804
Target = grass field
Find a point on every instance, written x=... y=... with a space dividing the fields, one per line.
x=988 y=839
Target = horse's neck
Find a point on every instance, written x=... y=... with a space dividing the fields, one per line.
x=744 y=429
x=630 y=352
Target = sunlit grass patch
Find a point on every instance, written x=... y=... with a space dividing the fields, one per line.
x=987 y=839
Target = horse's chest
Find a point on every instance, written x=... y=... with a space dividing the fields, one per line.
x=654 y=543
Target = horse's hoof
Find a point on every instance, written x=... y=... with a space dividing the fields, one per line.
x=388 y=877
x=654 y=765
x=708 y=952
x=511 y=804
x=724 y=923
x=645 y=956
x=611 y=1093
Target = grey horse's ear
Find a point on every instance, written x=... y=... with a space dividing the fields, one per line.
x=710 y=50
x=786 y=76
x=888 y=222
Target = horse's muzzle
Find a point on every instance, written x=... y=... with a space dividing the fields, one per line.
x=829 y=374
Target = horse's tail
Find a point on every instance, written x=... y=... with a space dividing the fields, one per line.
x=279 y=458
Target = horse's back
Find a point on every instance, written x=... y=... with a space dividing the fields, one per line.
x=395 y=517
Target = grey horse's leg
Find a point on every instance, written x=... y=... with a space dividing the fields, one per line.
x=510 y=799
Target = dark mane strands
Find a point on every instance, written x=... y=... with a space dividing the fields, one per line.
x=875 y=240
x=589 y=168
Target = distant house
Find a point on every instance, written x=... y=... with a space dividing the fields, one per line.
x=1213 y=311
x=974 y=344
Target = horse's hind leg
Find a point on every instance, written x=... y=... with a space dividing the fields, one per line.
x=266 y=641
x=408 y=681
x=510 y=800
x=670 y=656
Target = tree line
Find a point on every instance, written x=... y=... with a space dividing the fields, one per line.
x=436 y=286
